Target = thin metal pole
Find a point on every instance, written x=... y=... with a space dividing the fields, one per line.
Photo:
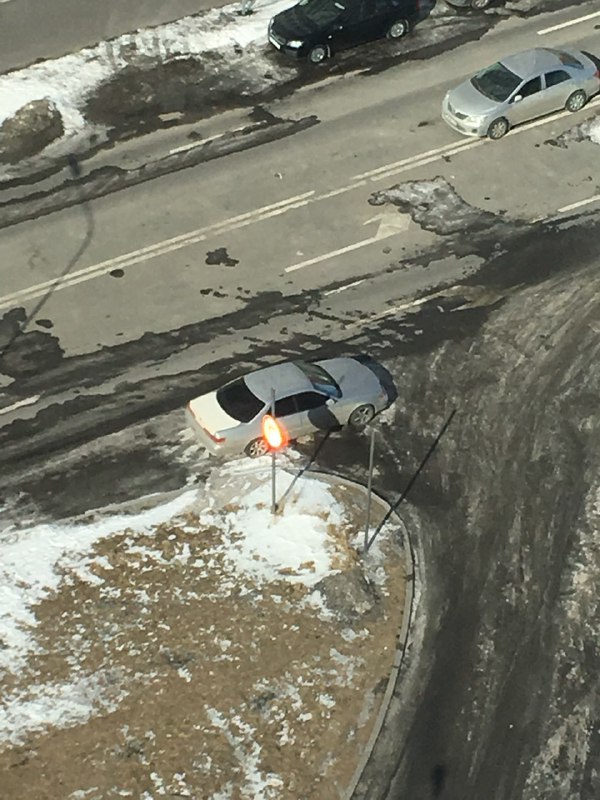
x=369 y=486
x=273 y=455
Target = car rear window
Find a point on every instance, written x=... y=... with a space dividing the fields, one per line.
x=496 y=82
x=237 y=400
x=568 y=59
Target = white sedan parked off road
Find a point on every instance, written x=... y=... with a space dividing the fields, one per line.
x=309 y=396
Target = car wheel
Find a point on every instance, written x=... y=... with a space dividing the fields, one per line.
x=317 y=54
x=256 y=448
x=576 y=101
x=398 y=29
x=479 y=5
x=361 y=417
x=498 y=128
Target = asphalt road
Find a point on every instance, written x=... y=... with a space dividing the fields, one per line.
x=480 y=297
x=36 y=29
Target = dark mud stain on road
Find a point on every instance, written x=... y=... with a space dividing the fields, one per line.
x=106 y=479
x=220 y=257
x=44 y=323
x=26 y=353
x=116 y=273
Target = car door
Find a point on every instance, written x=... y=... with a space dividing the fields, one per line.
x=286 y=411
x=355 y=25
x=527 y=102
x=314 y=414
x=559 y=84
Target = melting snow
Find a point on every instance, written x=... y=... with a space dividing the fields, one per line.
x=69 y=80
x=33 y=564
x=63 y=705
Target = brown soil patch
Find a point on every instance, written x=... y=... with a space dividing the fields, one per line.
x=221 y=688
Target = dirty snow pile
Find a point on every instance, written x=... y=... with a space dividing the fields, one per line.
x=68 y=81
x=595 y=131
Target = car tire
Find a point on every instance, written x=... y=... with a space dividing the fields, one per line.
x=576 y=101
x=318 y=54
x=256 y=448
x=480 y=5
x=360 y=417
x=398 y=29
x=498 y=128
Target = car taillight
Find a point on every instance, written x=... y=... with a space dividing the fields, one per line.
x=214 y=437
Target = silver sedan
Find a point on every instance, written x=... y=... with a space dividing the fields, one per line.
x=520 y=88
x=309 y=396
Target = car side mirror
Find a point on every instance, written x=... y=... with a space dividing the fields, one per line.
x=517 y=98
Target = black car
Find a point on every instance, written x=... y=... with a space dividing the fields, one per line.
x=315 y=29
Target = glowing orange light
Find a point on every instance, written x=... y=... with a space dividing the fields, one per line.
x=274 y=433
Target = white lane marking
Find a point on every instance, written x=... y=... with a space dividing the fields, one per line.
x=155 y=250
x=394 y=310
x=28 y=401
x=332 y=254
x=390 y=223
x=250 y=217
x=438 y=153
x=346 y=286
x=471 y=145
x=568 y=24
x=184 y=147
x=334 y=192
x=403 y=161
x=579 y=203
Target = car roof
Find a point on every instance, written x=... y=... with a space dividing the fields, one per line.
x=286 y=379
x=531 y=62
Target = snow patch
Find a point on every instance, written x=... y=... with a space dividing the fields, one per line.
x=35 y=562
x=60 y=704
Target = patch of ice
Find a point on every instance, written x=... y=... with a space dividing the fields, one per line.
x=595 y=131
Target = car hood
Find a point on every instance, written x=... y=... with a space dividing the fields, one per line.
x=209 y=415
x=353 y=378
x=293 y=24
x=469 y=100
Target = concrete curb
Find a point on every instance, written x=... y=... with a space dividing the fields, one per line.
x=402 y=635
x=105 y=180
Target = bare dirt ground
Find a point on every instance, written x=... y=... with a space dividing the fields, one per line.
x=204 y=682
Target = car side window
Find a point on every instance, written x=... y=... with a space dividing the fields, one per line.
x=308 y=400
x=555 y=77
x=531 y=87
x=285 y=406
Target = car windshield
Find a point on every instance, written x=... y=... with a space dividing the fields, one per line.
x=496 y=82
x=321 y=12
x=320 y=378
x=237 y=400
